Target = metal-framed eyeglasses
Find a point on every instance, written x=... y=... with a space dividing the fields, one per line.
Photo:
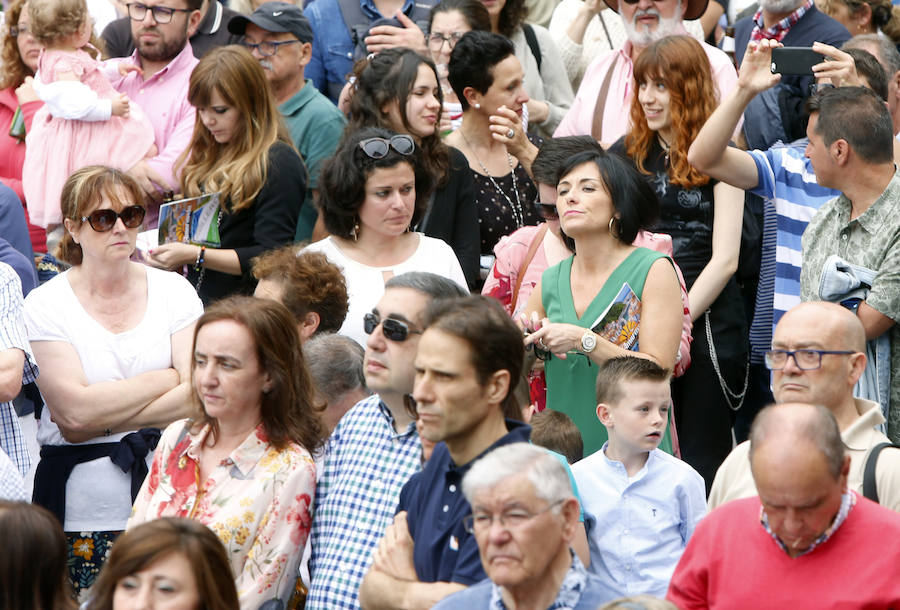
x=161 y=14
x=266 y=48
x=510 y=520
x=18 y=30
x=436 y=40
x=393 y=329
x=805 y=359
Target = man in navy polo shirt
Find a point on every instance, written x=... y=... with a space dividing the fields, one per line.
x=468 y=364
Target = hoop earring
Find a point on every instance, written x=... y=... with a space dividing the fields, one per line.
x=613 y=232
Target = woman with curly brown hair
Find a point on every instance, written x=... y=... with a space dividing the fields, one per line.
x=19 y=53
x=242 y=150
x=675 y=96
x=244 y=467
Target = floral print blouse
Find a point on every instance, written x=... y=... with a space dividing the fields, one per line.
x=257 y=500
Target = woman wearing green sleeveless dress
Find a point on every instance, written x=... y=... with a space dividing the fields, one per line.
x=611 y=298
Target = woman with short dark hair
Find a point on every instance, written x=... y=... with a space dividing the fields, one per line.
x=611 y=298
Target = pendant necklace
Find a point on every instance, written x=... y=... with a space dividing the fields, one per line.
x=518 y=213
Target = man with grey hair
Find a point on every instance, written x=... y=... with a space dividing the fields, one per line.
x=524 y=517
x=606 y=88
x=375 y=448
x=806 y=542
x=817 y=356
x=335 y=364
x=887 y=55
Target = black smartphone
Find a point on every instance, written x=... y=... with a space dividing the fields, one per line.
x=795 y=60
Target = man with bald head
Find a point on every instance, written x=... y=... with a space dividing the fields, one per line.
x=807 y=541
x=817 y=356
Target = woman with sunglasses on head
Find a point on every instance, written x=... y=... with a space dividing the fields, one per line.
x=675 y=95
x=398 y=90
x=243 y=464
x=112 y=340
x=374 y=190
x=242 y=150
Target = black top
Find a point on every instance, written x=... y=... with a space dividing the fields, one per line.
x=267 y=224
x=453 y=217
x=211 y=33
x=496 y=217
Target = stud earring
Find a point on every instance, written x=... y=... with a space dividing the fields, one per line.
x=477 y=105
x=355 y=232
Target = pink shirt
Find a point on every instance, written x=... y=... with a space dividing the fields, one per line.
x=164 y=98
x=579 y=120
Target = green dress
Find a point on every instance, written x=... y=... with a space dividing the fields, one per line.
x=571 y=382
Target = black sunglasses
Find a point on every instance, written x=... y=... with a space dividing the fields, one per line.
x=547 y=211
x=395 y=330
x=104 y=220
x=377 y=148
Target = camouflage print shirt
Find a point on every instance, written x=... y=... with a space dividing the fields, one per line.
x=871 y=240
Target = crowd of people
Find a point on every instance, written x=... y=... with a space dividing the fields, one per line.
x=459 y=304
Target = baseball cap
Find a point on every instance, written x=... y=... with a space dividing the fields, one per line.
x=275 y=17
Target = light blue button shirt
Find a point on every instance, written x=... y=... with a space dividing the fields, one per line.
x=638 y=527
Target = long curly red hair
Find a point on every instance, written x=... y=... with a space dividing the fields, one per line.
x=681 y=64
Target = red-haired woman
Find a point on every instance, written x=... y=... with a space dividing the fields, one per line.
x=676 y=94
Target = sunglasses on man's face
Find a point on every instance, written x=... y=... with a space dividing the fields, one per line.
x=104 y=220
x=395 y=330
x=377 y=148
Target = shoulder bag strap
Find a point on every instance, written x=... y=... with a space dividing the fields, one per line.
x=529 y=256
x=870 y=487
x=600 y=106
x=532 y=41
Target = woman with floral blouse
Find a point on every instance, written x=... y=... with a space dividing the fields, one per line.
x=243 y=467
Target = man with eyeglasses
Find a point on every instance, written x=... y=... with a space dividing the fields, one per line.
x=524 y=518
x=817 y=356
x=160 y=29
x=606 y=87
x=467 y=365
x=210 y=31
x=374 y=449
x=281 y=39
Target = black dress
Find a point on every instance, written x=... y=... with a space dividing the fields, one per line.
x=704 y=413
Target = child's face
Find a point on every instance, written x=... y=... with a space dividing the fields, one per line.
x=637 y=422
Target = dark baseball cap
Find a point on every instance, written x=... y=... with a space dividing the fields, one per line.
x=275 y=17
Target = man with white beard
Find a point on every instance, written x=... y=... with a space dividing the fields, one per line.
x=601 y=105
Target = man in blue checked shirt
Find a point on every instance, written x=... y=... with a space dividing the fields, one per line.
x=375 y=447
x=468 y=362
x=17 y=366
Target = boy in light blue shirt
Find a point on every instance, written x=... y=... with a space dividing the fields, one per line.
x=641 y=505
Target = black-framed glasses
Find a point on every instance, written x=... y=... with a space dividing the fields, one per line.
x=266 y=48
x=377 y=148
x=161 y=14
x=395 y=330
x=805 y=359
x=18 y=30
x=510 y=520
x=436 y=40
x=104 y=220
x=547 y=211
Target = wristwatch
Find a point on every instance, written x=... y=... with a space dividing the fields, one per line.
x=588 y=342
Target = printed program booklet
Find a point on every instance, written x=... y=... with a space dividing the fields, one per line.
x=620 y=322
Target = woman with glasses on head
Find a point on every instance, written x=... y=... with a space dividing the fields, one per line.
x=241 y=150
x=448 y=21
x=674 y=96
x=374 y=192
x=112 y=340
x=243 y=464
x=398 y=90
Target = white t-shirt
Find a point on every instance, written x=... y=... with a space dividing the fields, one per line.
x=365 y=284
x=98 y=493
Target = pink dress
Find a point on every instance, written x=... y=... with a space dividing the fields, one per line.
x=56 y=147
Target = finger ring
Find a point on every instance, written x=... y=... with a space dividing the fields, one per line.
x=543 y=345
x=511 y=133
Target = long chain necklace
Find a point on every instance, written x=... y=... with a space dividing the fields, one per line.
x=517 y=210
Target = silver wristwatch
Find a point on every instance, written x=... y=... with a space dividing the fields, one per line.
x=588 y=342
